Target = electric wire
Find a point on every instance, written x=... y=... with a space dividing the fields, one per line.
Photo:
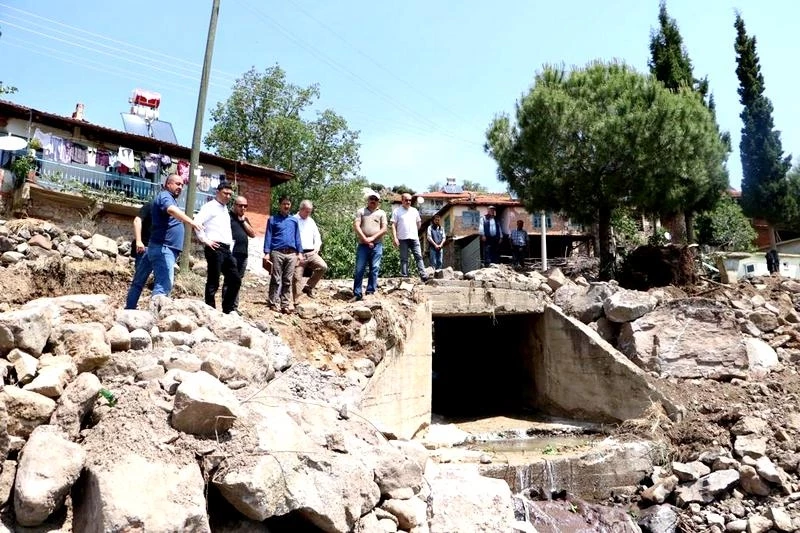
x=221 y=73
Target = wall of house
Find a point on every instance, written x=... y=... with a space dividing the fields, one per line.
x=259 y=198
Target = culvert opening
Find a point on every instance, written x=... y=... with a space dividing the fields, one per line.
x=483 y=366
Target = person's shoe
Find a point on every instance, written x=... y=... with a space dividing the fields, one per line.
x=308 y=291
x=356 y=298
x=287 y=311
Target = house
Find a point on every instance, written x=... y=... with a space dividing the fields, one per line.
x=461 y=212
x=104 y=174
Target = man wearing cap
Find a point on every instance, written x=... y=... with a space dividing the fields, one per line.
x=217 y=239
x=283 y=248
x=370 y=227
x=491 y=235
x=405 y=232
x=312 y=242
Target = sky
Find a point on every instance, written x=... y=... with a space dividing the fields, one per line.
x=421 y=80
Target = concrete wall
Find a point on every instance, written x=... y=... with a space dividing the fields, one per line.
x=397 y=399
x=580 y=375
x=464 y=298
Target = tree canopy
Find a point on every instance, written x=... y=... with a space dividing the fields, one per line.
x=670 y=64
x=473 y=186
x=266 y=121
x=765 y=187
x=595 y=139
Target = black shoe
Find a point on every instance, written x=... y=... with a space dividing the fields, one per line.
x=308 y=291
x=356 y=298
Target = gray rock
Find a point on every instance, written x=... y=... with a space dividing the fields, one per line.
x=104 y=245
x=764 y=320
x=26 y=410
x=135 y=319
x=758 y=524
x=85 y=343
x=409 y=513
x=767 y=470
x=75 y=403
x=761 y=357
x=119 y=338
x=751 y=482
x=707 y=488
x=396 y=470
x=659 y=519
x=748 y=425
x=55 y=373
x=25 y=365
x=750 y=445
x=7 y=476
x=27 y=329
x=49 y=466
x=464 y=501
x=690 y=471
x=204 y=406
x=141 y=340
x=134 y=493
x=11 y=257
x=625 y=305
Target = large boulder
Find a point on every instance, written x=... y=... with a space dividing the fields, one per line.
x=135 y=493
x=49 y=466
x=229 y=361
x=584 y=303
x=463 y=500
x=204 y=406
x=85 y=343
x=78 y=308
x=626 y=306
x=690 y=338
x=75 y=403
x=26 y=410
x=27 y=329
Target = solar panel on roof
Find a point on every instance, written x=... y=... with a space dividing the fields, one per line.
x=452 y=188
x=135 y=124
x=163 y=131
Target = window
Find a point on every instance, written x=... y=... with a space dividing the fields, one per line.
x=470 y=219
x=537 y=220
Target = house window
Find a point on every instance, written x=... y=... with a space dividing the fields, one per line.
x=470 y=219
x=537 y=220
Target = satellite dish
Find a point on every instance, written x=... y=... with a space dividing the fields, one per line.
x=12 y=144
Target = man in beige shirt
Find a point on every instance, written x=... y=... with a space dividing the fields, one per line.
x=370 y=226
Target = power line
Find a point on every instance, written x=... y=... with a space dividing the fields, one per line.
x=376 y=63
x=364 y=83
x=78 y=45
x=148 y=50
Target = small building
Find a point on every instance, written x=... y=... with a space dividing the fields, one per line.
x=86 y=170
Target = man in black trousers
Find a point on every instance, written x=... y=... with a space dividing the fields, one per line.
x=217 y=240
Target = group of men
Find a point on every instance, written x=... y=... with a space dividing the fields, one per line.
x=292 y=245
x=491 y=236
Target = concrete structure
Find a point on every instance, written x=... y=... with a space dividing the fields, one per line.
x=741 y=265
x=497 y=350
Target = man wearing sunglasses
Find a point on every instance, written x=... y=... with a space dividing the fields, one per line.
x=241 y=229
x=406 y=222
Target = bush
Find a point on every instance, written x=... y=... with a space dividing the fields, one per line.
x=726 y=228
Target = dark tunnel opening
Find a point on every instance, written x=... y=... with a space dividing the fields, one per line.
x=483 y=366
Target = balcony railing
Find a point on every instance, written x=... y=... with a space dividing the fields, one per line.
x=112 y=186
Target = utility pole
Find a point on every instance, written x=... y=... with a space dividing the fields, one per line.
x=194 y=160
x=544 y=240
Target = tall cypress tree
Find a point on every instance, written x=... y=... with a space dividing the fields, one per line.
x=765 y=186
x=670 y=64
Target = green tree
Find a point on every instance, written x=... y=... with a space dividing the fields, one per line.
x=436 y=186
x=595 y=139
x=473 y=186
x=726 y=228
x=403 y=189
x=264 y=122
x=765 y=187
x=670 y=64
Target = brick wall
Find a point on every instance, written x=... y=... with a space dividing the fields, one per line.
x=259 y=197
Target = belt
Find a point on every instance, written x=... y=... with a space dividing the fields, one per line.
x=285 y=250
x=305 y=251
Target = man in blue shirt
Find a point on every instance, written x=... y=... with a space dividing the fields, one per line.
x=282 y=247
x=166 y=235
x=491 y=237
x=142 y=269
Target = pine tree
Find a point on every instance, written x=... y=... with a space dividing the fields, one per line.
x=670 y=64
x=765 y=187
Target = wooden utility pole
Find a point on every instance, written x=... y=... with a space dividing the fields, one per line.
x=194 y=160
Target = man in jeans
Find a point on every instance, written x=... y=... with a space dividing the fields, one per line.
x=436 y=239
x=370 y=227
x=217 y=239
x=166 y=236
x=142 y=269
x=405 y=232
x=283 y=249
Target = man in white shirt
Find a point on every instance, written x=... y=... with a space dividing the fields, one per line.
x=491 y=236
x=217 y=240
x=405 y=232
x=311 y=241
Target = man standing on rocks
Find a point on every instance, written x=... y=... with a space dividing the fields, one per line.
x=370 y=227
x=405 y=232
x=312 y=242
x=519 y=243
x=142 y=225
x=241 y=230
x=166 y=236
x=491 y=236
x=283 y=248
x=436 y=240
x=217 y=238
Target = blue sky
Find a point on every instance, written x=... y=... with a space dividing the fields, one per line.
x=421 y=80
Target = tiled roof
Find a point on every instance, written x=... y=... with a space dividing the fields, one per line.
x=99 y=133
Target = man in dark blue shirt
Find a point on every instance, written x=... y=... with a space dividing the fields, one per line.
x=166 y=236
x=283 y=249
